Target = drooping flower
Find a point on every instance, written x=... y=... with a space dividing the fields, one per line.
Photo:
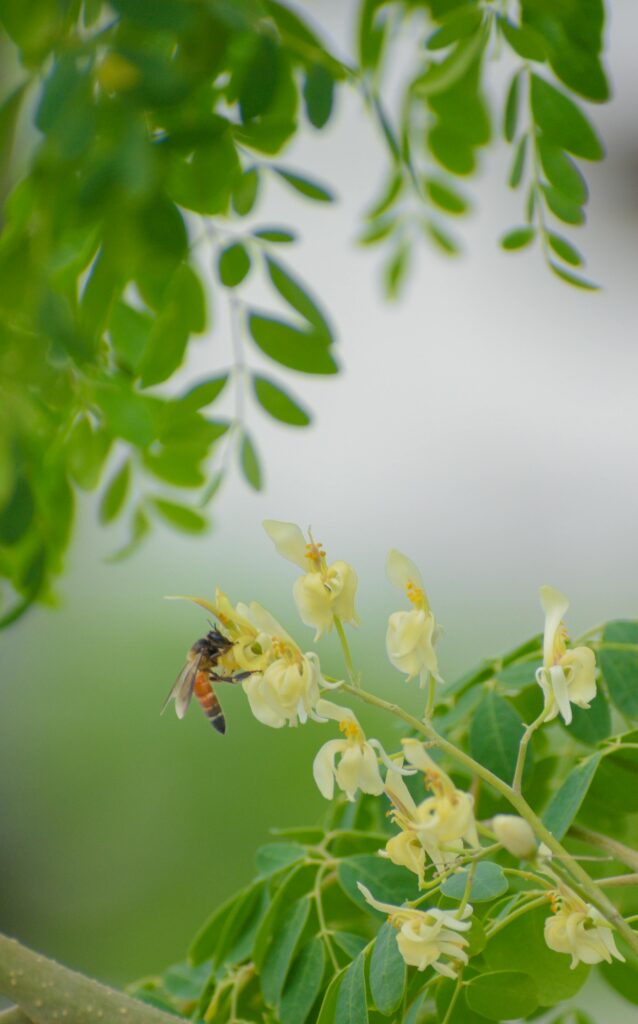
x=287 y=687
x=427 y=938
x=516 y=835
x=567 y=676
x=411 y=635
x=441 y=823
x=358 y=764
x=324 y=591
x=580 y=930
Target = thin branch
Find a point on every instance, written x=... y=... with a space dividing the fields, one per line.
x=46 y=992
x=618 y=850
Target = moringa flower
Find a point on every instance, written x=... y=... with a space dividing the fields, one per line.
x=567 y=676
x=580 y=930
x=441 y=823
x=411 y=635
x=425 y=937
x=358 y=767
x=324 y=591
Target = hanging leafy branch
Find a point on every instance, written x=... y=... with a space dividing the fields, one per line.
x=136 y=142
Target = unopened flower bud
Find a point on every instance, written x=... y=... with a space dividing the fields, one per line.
x=515 y=835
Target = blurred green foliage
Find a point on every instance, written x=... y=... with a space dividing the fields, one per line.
x=145 y=132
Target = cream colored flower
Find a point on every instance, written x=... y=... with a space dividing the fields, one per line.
x=427 y=938
x=580 y=930
x=441 y=823
x=358 y=765
x=567 y=676
x=324 y=591
x=406 y=851
x=286 y=688
x=515 y=835
x=411 y=635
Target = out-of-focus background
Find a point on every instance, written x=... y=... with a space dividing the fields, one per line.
x=486 y=425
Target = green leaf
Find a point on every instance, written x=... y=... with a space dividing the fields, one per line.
x=203 y=394
x=278 y=404
x=350 y=943
x=207 y=940
x=387 y=971
x=295 y=294
x=129 y=329
x=304 y=983
x=620 y=668
x=396 y=270
x=329 y=1003
x=129 y=415
x=488 y=883
x=445 y=196
x=260 y=77
x=246 y=191
x=502 y=995
x=250 y=464
x=17 y=514
x=318 y=94
x=512 y=105
x=564 y=805
x=527 y=43
x=305 y=186
x=441 y=77
x=521 y=946
x=562 y=207
x=593 y=724
x=274 y=856
x=115 y=494
x=460 y=1013
x=564 y=249
x=518 y=238
x=140 y=528
x=233 y=265
x=88 y=447
x=563 y=122
x=623 y=978
x=457 y=25
x=180 y=516
x=495 y=734
x=519 y=674
x=385 y=880
x=352 y=1006
x=281 y=235
x=297 y=883
x=518 y=163
x=305 y=351
x=573 y=279
x=205 y=183
x=281 y=951
x=562 y=172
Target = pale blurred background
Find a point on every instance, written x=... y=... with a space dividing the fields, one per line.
x=487 y=425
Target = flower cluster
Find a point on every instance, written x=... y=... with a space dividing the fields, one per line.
x=427 y=938
x=284 y=685
x=580 y=930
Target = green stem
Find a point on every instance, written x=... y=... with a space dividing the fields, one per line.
x=523 y=909
x=522 y=750
x=452 y=1002
x=345 y=647
x=324 y=931
x=617 y=850
x=589 y=887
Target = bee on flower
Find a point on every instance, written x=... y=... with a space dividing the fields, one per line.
x=324 y=592
x=566 y=676
x=580 y=930
x=427 y=938
x=411 y=635
x=358 y=767
x=438 y=827
x=282 y=684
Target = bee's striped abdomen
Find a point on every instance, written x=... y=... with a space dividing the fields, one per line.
x=209 y=703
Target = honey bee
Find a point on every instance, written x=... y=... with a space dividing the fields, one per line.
x=198 y=675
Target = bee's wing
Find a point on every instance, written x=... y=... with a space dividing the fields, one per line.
x=182 y=690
